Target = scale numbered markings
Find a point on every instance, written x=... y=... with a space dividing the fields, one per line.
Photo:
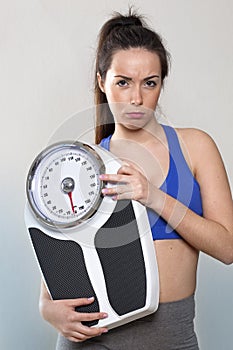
x=63 y=185
x=69 y=185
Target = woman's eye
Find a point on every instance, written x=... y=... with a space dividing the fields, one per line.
x=122 y=83
x=151 y=83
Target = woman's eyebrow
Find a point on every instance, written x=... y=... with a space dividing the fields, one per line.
x=128 y=78
x=122 y=76
x=151 y=77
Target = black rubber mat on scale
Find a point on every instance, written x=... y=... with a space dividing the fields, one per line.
x=119 y=248
x=63 y=267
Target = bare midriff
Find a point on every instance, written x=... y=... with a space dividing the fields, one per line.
x=177 y=264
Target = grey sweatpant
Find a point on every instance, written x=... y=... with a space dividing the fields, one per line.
x=171 y=327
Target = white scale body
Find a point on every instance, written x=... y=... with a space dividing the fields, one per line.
x=65 y=209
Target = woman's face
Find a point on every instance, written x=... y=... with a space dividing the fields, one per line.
x=132 y=86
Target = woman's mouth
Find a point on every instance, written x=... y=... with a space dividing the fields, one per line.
x=135 y=115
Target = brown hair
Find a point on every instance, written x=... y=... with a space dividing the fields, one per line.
x=121 y=33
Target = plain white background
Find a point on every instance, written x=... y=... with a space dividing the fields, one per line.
x=47 y=52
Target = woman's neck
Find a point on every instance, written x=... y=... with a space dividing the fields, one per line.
x=137 y=135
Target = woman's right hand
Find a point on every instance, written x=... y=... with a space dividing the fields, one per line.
x=61 y=314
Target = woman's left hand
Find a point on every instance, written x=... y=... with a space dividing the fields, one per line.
x=129 y=183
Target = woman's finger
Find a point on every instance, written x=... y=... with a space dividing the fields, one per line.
x=90 y=316
x=81 y=335
x=121 y=176
x=77 y=302
x=113 y=177
x=126 y=169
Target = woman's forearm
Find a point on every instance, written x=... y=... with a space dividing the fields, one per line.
x=44 y=300
x=203 y=234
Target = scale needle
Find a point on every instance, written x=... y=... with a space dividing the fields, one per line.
x=71 y=201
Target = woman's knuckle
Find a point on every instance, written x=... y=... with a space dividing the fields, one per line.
x=75 y=340
x=65 y=332
x=70 y=318
x=82 y=337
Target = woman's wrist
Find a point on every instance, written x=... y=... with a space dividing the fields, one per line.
x=167 y=207
x=156 y=199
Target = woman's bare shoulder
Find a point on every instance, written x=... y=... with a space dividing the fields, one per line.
x=198 y=146
x=193 y=135
x=196 y=140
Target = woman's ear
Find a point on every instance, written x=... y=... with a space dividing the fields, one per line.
x=100 y=82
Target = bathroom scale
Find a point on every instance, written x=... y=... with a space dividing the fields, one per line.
x=87 y=244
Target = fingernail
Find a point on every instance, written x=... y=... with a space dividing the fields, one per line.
x=102 y=177
x=104 y=315
x=105 y=331
x=104 y=190
x=90 y=298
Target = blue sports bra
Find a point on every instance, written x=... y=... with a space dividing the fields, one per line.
x=179 y=183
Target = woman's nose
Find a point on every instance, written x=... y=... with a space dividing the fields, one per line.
x=136 y=97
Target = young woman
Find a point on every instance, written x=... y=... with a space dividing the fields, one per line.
x=177 y=174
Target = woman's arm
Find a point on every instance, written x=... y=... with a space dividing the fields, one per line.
x=212 y=233
x=61 y=314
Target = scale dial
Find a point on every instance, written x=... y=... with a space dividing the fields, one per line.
x=63 y=185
